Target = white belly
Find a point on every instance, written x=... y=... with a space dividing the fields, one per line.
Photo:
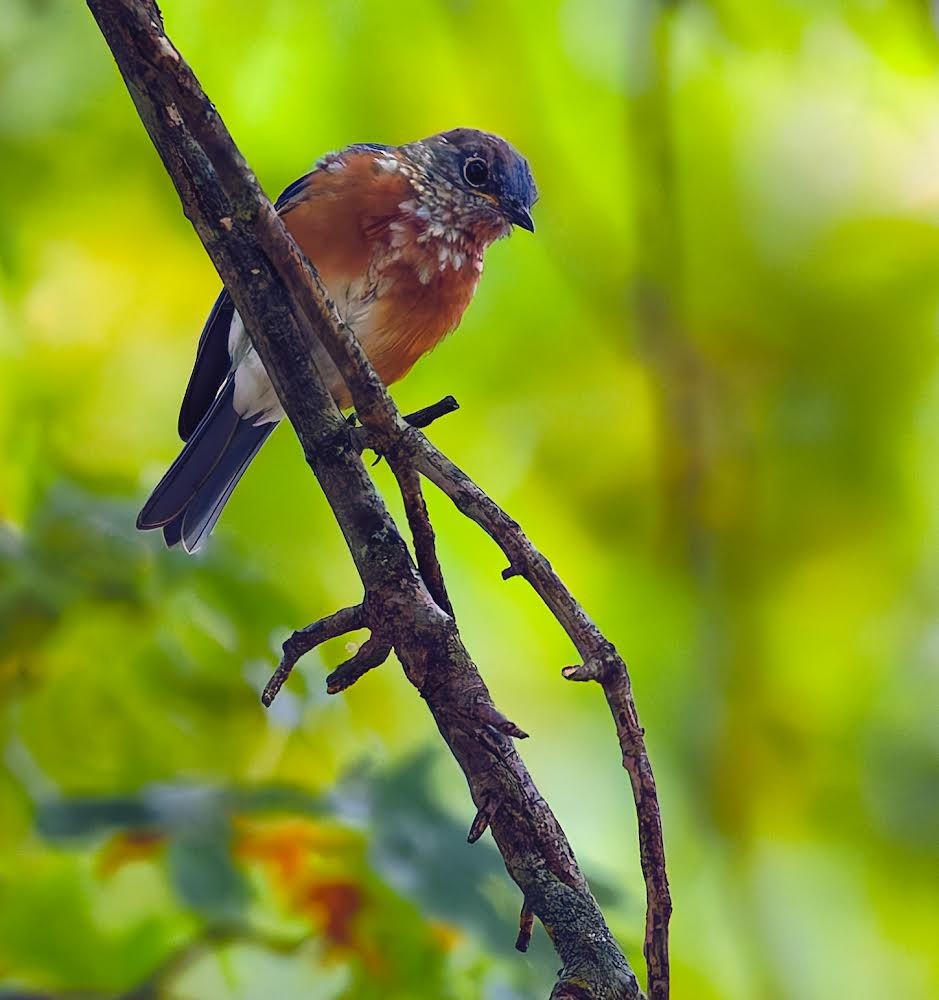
x=255 y=398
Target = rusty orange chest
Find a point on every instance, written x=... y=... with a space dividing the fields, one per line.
x=401 y=267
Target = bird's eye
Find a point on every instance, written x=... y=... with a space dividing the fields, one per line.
x=475 y=172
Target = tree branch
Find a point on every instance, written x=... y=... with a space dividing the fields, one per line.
x=306 y=639
x=601 y=663
x=284 y=307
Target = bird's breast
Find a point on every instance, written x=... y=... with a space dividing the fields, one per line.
x=400 y=276
x=421 y=293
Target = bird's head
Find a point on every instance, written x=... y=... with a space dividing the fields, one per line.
x=480 y=175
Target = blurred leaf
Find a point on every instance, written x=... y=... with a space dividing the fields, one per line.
x=89 y=817
x=204 y=874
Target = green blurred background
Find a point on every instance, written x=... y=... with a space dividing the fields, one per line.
x=708 y=388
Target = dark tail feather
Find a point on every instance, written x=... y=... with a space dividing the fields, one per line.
x=189 y=498
x=205 y=507
x=173 y=532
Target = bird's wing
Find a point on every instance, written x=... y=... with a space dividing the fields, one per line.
x=212 y=362
x=329 y=230
x=211 y=366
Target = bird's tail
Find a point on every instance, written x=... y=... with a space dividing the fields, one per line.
x=189 y=498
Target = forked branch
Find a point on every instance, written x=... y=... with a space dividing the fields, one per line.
x=285 y=308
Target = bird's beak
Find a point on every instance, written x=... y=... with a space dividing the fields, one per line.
x=518 y=215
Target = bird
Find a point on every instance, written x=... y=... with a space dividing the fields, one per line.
x=397 y=235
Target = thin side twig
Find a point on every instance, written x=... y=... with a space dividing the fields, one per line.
x=526 y=923
x=601 y=663
x=306 y=639
x=425 y=416
x=482 y=820
x=422 y=531
x=614 y=680
x=421 y=418
x=372 y=653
